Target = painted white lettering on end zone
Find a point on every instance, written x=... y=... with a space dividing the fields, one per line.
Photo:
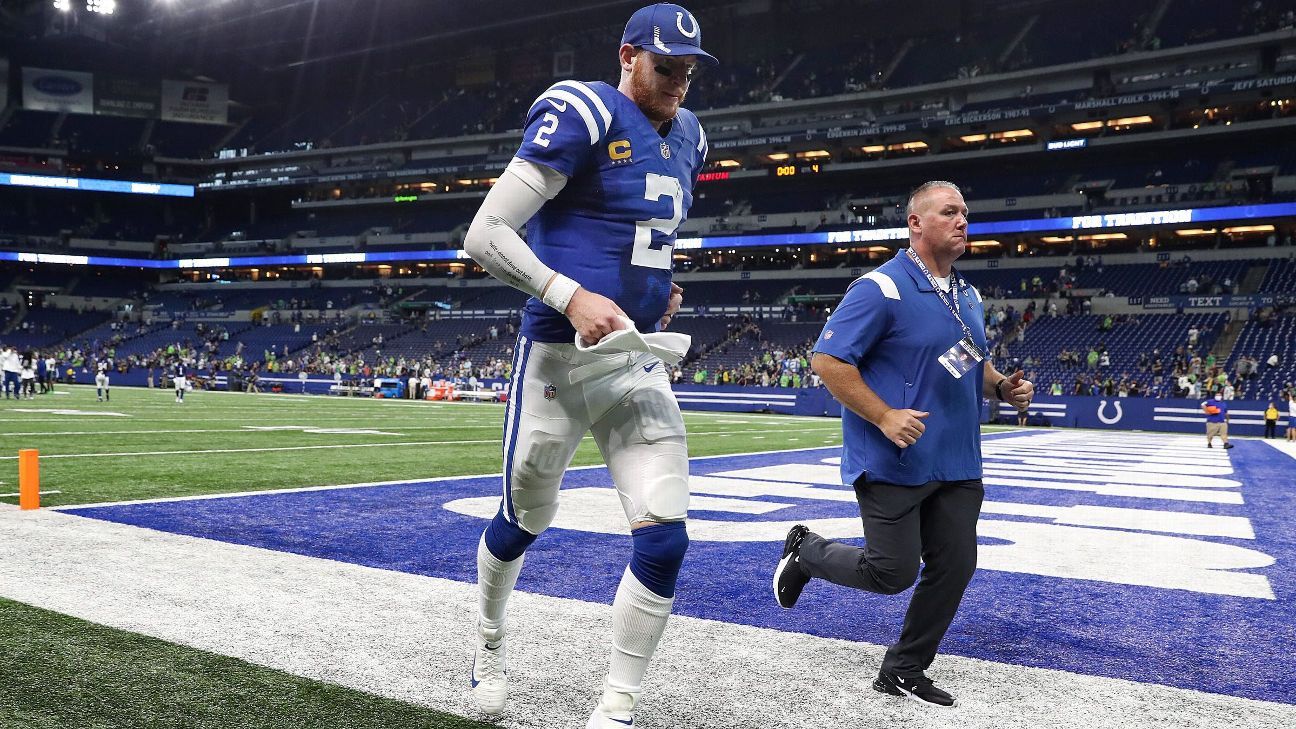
x=1164 y=547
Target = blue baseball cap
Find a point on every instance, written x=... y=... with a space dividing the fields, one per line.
x=667 y=29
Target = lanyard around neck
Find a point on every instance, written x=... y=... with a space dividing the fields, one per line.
x=953 y=305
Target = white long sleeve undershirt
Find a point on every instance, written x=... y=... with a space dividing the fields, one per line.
x=493 y=241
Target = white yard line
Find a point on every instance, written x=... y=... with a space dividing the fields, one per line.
x=391 y=444
x=399 y=482
x=258 y=450
x=299 y=614
x=260 y=416
x=239 y=429
x=323 y=400
x=388 y=422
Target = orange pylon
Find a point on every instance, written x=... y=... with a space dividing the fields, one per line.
x=29 y=479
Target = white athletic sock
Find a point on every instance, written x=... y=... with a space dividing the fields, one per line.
x=638 y=621
x=495 y=581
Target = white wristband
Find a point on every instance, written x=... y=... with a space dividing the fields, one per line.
x=560 y=292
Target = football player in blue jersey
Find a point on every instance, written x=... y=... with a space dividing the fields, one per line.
x=179 y=380
x=602 y=180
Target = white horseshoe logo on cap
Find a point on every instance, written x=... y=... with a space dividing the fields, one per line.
x=679 y=23
x=1106 y=420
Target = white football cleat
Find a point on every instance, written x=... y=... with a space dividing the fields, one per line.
x=614 y=711
x=489 y=681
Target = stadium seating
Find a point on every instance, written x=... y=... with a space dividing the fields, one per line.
x=186 y=141
x=1260 y=340
x=1048 y=336
x=1138 y=279
x=43 y=327
x=280 y=339
x=747 y=347
x=27 y=128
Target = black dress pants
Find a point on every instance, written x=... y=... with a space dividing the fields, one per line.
x=935 y=522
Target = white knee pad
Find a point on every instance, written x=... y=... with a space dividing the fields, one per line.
x=537 y=469
x=666 y=490
x=644 y=444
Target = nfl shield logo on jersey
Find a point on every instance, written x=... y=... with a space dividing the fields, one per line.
x=665 y=150
x=550 y=392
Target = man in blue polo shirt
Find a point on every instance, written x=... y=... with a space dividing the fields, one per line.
x=1217 y=419
x=905 y=354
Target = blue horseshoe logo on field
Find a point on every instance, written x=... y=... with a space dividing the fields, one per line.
x=1106 y=420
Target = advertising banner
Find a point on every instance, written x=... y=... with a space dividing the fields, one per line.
x=119 y=96
x=195 y=102
x=48 y=90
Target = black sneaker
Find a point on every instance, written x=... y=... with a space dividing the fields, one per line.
x=1228 y=445
x=789 y=578
x=918 y=688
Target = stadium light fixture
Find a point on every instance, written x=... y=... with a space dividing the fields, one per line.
x=63 y=6
x=907 y=146
x=728 y=163
x=814 y=154
x=973 y=138
x=1193 y=232
x=1250 y=229
x=1057 y=239
x=1087 y=126
x=778 y=156
x=102 y=7
x=1013 y=134
x=873 y=149
x=985 y=243
x=1104 y=236
x=1129 y=121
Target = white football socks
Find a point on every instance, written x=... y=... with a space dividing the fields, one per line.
x=495 y=581
x=638 y=620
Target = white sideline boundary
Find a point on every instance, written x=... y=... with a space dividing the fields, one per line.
x=298 y=614
x=1282 y=446
x=386 y=444
x=399 y=482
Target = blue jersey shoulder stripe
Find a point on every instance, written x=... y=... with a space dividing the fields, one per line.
x=593 y=97
x=561 y=99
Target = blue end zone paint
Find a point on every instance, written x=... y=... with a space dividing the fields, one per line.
x=1238 y=646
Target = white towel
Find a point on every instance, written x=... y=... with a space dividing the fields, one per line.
x=669 y=347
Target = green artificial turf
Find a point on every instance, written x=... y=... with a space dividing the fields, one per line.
x=133 y=457
x=59 y=672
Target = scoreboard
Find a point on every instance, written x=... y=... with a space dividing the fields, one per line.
x=794 y=170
